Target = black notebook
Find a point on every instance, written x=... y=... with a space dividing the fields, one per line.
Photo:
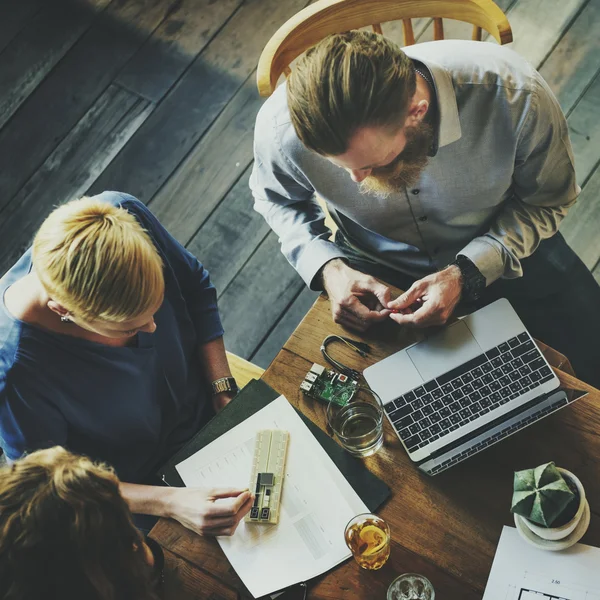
x=256 y=395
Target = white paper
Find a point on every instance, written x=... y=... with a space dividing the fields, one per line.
x=522 y=572
x=316 y=505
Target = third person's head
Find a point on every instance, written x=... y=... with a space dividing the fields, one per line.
x=66 y=532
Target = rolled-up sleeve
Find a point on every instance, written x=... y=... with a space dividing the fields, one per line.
x=285 y=198
x=544 y=188
x=194 y=280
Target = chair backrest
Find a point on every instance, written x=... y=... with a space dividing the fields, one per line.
x=325 y=17
x=242 y=370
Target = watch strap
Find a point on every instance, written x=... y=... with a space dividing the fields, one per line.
x=224 y=384
x=472 y=278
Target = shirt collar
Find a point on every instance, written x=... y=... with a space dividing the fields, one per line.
x=449 y=124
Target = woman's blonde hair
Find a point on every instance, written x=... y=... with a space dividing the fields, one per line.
x=348 y=81
x=66 y=532
x=97 y=261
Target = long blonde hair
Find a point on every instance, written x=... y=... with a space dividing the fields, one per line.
x=97 y=261
x=66 y=532
x=348 y=81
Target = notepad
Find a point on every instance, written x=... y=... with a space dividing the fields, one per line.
x=317 y=502
x=521 y=572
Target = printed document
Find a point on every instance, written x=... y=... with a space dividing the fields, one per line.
x=316 y=505
x=522 y=572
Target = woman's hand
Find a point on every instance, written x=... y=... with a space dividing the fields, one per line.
x=221 y=400
x=216 y=511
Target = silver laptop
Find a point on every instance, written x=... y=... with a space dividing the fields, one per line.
x=466 y=387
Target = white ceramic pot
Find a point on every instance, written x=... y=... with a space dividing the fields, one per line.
x=558 y=533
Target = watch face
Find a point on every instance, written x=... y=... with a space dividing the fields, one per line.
x=224 y=385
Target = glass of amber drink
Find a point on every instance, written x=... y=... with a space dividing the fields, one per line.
x=368 y=538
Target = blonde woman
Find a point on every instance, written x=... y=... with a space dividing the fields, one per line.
x=110 y=338
x=66 y=532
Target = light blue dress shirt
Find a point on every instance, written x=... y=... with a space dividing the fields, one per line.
x=501 y=180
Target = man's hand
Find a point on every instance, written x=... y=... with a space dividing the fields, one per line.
x=357 y=300
x=209 y=512
x=437 y=294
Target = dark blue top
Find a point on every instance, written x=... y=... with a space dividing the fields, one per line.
x=132 y=407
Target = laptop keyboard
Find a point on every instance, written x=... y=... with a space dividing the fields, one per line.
x=500 y=435
x=467 y=392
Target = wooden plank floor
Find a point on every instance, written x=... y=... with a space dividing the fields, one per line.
x=157 y=98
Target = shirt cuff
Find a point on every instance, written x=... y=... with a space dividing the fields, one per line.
x=487 y=255
x=312 y=260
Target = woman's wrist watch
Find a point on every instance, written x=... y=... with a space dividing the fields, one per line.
x=224 y=384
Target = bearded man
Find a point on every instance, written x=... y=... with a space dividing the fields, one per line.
x=447 y=167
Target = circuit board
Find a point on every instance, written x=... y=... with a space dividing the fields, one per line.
x=268 y=473
x=328 y=386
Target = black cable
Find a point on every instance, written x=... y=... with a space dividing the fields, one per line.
x=359 y=347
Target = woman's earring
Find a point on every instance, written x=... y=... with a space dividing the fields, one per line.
x=65 y=320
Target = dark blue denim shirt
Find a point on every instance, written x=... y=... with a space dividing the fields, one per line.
x=132 y=407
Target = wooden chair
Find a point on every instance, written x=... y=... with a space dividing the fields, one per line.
x=242 y=370
x=325 y=17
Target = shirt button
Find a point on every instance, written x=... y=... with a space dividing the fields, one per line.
x=415 y=191
x=422 y=219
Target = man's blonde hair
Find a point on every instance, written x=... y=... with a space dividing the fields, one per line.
x=97 y=261
x=345 y=82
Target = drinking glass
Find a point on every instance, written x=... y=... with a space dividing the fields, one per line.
x=359 y=424
x=411 y=586
x=368 y=537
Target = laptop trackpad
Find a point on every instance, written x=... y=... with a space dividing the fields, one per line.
x=440 y=353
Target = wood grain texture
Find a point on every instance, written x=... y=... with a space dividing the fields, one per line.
x=72 y=87
x=354 y=583
x=187 y=29
x=533 y=41
x=453 y=520
x=574 y=62
x=244 y=312
x=71 y=167
x=201 y=551
x=394 y=30
x=453 y=30
x=326 y=17
x=438 y=29
x=582 y=223
x=230 y=235
x=584 y=131
x=200 y=95
x=211 y=169
x=14 y=16
x=242 y=370
x=39 y=46
x=282 y=330
x=446 y=527
x=185 y=581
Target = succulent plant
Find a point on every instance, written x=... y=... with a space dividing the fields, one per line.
x=541 y=494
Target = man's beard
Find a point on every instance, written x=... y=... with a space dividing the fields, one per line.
x=406 y=168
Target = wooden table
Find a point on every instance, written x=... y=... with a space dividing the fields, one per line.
x=445 y=527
